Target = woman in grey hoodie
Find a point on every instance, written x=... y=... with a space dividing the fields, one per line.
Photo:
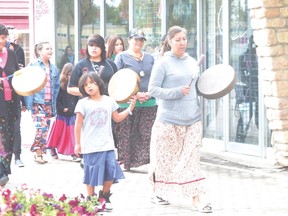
x=177 y=130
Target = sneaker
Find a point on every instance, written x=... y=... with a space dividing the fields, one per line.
x=159 y=201
x=76 y=159
x=19 y=163
x=4 y=180
x=108 y=206
x=106 y=196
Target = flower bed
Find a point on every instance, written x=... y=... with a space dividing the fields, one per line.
x=30 y=202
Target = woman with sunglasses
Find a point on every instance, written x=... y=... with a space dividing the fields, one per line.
x=132 y=136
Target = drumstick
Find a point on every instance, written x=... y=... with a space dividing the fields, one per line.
x=16 y=73
x=199 y=62
x=101 y=70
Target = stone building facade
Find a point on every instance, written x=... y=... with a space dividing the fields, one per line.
x=269 y=21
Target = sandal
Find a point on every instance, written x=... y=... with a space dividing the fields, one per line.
x=53 y=153
x=203 y=208
x=159 y=200
x=39 y=159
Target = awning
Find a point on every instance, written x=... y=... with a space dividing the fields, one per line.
x=19 y=22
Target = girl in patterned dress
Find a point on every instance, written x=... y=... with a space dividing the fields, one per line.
x=42 y=104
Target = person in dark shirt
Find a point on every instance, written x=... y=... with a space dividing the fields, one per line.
x=247 y=91
x=95 y=61
x=11 y=43
x=9 y=103
x=61 y=135
x=68 y=56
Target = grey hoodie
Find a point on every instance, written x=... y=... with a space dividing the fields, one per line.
x=169 y=74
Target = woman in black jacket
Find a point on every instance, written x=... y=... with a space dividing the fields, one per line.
x=9 y=102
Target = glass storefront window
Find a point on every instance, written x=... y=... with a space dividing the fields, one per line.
x=89 y=19
x=146 y=17
x=117 y=18
x=64 y=27
x=213 y=109
x=243 y=58
x=238 y=116
x=184 y=13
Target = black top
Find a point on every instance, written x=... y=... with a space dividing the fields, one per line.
x=85 y=66
x=248 y=69
x=21 y=62
x=20 y=54
x=10 y=67
x=65 y=100
x=64 y=60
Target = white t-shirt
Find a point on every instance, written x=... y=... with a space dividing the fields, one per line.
x=96 y=134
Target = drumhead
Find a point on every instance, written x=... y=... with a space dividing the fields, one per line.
x=29 y=80
x=216 y=81
x=123 y=85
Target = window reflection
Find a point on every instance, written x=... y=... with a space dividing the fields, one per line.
x=89 y=19
x=184 y=13
x=147 y=17
x=117 y=18
x=213 y=109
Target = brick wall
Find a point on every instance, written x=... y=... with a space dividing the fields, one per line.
x=269 y=21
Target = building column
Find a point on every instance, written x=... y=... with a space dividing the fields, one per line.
x=269 y=21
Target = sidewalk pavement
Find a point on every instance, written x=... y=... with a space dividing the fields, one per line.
x=233 y=189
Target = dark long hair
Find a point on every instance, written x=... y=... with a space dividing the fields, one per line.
x=95 y=78
x=111 y=45
x=65 y=73
x=3 y=30
x=66 y=49
x=96 y=40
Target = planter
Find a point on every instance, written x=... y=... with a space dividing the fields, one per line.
x=30 y=202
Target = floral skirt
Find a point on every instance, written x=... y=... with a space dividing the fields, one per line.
x=41 y=115
x=132 y=137
x=175 y=161
x=61 y=135
x=7 y=125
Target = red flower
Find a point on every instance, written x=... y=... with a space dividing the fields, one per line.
x=33 y=210
x=6 y=194
x=48 y=196
x=63 y=198
x=74 y=202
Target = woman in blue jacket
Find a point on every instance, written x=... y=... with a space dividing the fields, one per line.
x=43 y=104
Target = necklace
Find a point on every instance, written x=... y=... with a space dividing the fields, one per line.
x=95 y=67
x=139 y=57
x=141 y=73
